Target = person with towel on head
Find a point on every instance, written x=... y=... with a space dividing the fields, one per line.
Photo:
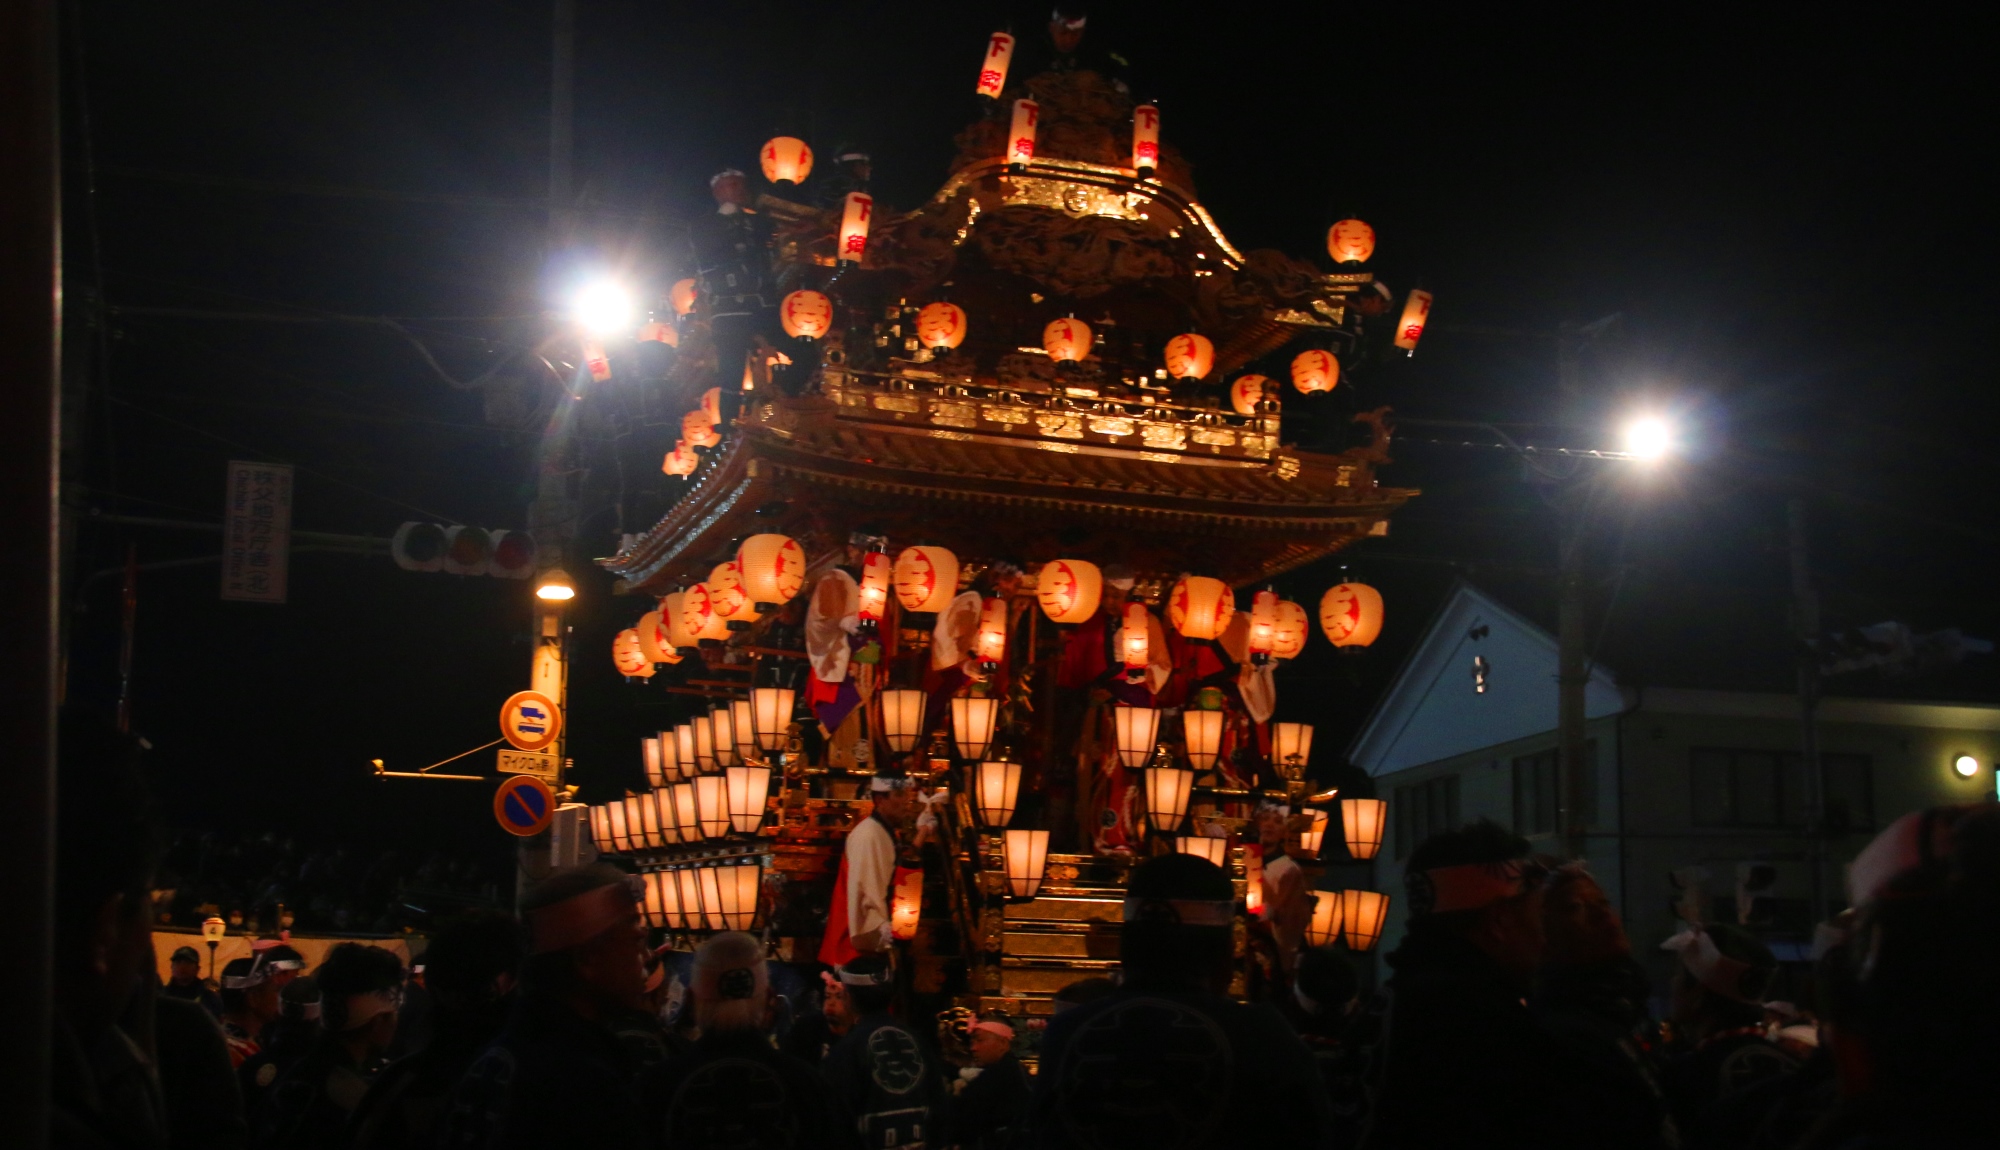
x=1717 y=1004
x=1286 y=907
x=309 y=1106
x=733 y=1089
x=858 y=920
x=993 y=1104
x=882 y=1081
x=249 y=1003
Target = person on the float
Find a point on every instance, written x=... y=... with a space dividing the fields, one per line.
x=1286 y=908
x=858 y=920
x=732 y=253
x=883 y=1080
x=954 y=640
x=992 y=1105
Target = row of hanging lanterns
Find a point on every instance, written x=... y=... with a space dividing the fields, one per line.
x=703 y=896
x=698 y=809
x=1353 y=915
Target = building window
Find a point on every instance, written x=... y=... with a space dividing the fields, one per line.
x=1538 y=791
x=1423 y=809
x=1744 y=788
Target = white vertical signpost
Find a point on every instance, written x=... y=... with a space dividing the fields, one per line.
x=257 y=532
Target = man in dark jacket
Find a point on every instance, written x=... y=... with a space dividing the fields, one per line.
x=882 y=1079
x=994 y=1104
x=311 y=1103
x=1168 y=1061
x=1718 y=1006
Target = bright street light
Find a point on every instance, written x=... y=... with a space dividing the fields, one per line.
x=554 y=585
x=1966 y=766
x=1648 y=438
x=603 y=308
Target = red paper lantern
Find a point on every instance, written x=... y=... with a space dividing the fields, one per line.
x=726 y=592
x=1134 y=638
x=699 y=618
x=1315 y=370
x=654 y=639
x=854 y=220
x=806 y=314
x=787 y=160
x=1200 y=607
x=773 y=568
x=926 y=578
x=698 y=429
x=1066 y=339
x=681 y=460
x=1351 y=614
x=876 y=575
x=1068 y=590
x=1145 y=139
x=1416 y=313
x=1247 y=393
x=993 y=69
x=1021 y=133
x=630 y=660
x=941 y=326
x=1263 y=623
x=1288 y=638
x=1350 y=242
x=1190 y=356
x=991 y=645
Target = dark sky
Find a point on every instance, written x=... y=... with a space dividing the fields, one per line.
x=1792 y=217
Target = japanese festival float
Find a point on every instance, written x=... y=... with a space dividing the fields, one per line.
x=993 y=503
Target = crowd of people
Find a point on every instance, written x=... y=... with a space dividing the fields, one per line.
x=1515 y=1015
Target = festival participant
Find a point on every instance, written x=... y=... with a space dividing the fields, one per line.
x=286 y=1040
x=843 y=654
x=814 y=1035
x=1717 y=1005
x=557 y=1076
x=1323 y=1002
x=1080 y=993
x=311 y=1103
x=858 y=920
x=882 y=1081
x=732 y=1089
x=249 y=1003
x=732 y=251
x=993 y=1105
x=1168 y=1059
x=1286 y=907
x=184 y=981
x=203 y=1103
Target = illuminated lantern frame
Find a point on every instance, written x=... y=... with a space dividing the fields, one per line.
x=1288 y=638
x=786 y=160
x=1203 y=732
x=771 y=715
x=1067 y=340
x=1350 y=242
x=1263 y=625
x=749 y=788
x=1145 y=139
x=1138 y=730
x=941 y=326
x=906 y=906
x=1323 y=928
x=1215 y=850
x=1314 y=836
x=773 y=569
x=1351 y=614
x=806 y=314
x=1135 y=639
x=993 y=69
x=1314 y=370
x=1361 y=913
x=972 y=722
x=726 y=592
x=926 y=578
x=722 y=733
x=654 y=640
x=1021 y=133
x=997 y=789
x=1361 y=822
x=855 y=217
x=1246 y=395
x=990 y=645
x=1291 y=744
x=1026 y=854
x=626 y=654
x=1190 y=356
x=1068 y=590
x=1416 y=313
x=673 y=609
x=1200 y=607
x=1167 y=790
x=700 y=619
x=902 y=717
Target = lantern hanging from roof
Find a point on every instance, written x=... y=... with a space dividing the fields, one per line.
x=1416 y=313
x=1314 y=834
x=972 y=724
x=773 y=569
x=653 y=639
x=1361 y=913
x=670 y=759
x=743 y=724
x=786 y=160
x=1203 y=733
x=688 y=881
x=1288 y=638
x=1145 y=139
x=674 y=619
x=1190 y=356
x=698 y=430
x=806 y=314
x=725 y=591
x=993 y=69
x=906 y=906
x=681 y=296
x=630 y=660
x=1021 y=133
x=737 y=885
x=1247 y=393
x=1137 y=730
x=681 y=460
x=711 y=805
x=1167 y=790
x=657 y=332
x=1200 y=607
x=1351 y=614
x=1361 y=825
x=990 y=646
x=1066 y=340
x=722 y=728
x=699 y=618
x=1135 y=638
x=1263 y=625
x=1350 y=242
x=876 y=576
x=926 y=578
x=704 y=744
x=941 y=326
x=771 y=715
x=854 y=219
x=687 y=751
x=1215 y=850
x=998 y=786
x=650 y=748
x=1315 y=370
x=749 y=787
x=1291 y=743
x=902 y=717
x=1323 y=928
x=1026 y=853
x=1068 y=590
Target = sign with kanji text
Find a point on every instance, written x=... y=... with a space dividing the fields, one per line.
x=257 y=531
x=524 y=805
x=513 y=762
x=530 y=720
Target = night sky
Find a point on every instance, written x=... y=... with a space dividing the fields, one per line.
x=1792 y=219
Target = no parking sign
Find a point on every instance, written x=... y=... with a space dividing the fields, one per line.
x=524 y=805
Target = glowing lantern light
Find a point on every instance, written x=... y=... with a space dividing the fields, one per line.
x=649 y=821
x=806 y=314
x=999 y=785
x=711 y=406
x=972 y=725
x=1203 y=730
x=699 y=618
x=674 y=619
x=1167 y=790
x=650 y=747
x=1315 y=370
x=725 y=591
x=1416 y=313
x=698 y=430
x=1145 y=139
x=1291 y=743
x=736 y=886
x=1200 y=607
x=1361 y=824
x=688 y=880
x=1021 y=134
x=711 y=805
x=600 y=829
x=1190 y=356
x=1314 y=834
x=771 y=715
x=743 y=725
x=1066 y=340
x=926 y=578
x=654 y=640
x=1134 y=639
x=722 y=728
x=704 y=745
x=941 y=326
x=1247 y=393
x=876 y=573
x=1027 y=854
x=1350 y=242
x=902 y=717
x=657 y=914
x=1351 y=614
x=685 y=748
x=681 y=296
x=1253 y=883
x=993 y=69
x=670 y=760
x=854 y=218
x=773 y=569
x=1138 y=729
x=630 y=660
x=907 y=905
x=1213 y=849
x=1068 y=590
x=787 y=160
x=1362 y=912
x=1323 y=928
x=657 y=332
x=687 y=814
x=749 y=787
x=991 y=644
x=1263 y=625
x=616 y=835
x=681 y=460
x=1288 y=637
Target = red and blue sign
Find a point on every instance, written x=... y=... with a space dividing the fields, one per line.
x=524 y=805
x=530 y=720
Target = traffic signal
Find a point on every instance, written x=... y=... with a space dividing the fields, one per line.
x=462 y=550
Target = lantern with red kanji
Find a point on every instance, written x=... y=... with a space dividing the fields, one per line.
x=1350 y=242
x=991 y=644
x=876 y=575
x=1190 y=356
x=654 y=639
x=993 y=69
x=1315 y=370
x=673 y=616
x=1247 y=393
x=773 y=568
x=726 y=592
x=1288 y=636
x=711 y=406
x=681 y=295
x=855 y=217
x=806 y=314
x=631 y=661
x=1351 y=614
x=941 y=326
x=926 y=578
x=786 y=160
x=1145 y=139
x=698 y=429
x=1021 y=133
x=681 y=460
x=1066 y=340
x=1416 y=313
x=1200 y=607
x=1135 y=640
x=1263 y=625
x=1068 y=590
x=699 y=617
x=906 y=906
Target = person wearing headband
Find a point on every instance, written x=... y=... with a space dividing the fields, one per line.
x=361 y=989
x=883 y=1080
x=732 y=1088
x=1286 y=907
x=249 y=1003
x=1717 y=1005
x=1169 y=1058
x=993 y=1105
x=858 y=920
x=1324 y=1007
x=285 y=1041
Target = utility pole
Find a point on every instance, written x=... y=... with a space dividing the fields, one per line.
x=1572 y=666
x=1805 y=632
x=562 y=120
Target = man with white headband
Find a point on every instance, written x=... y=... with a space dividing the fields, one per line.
x=1286 y=908
x=1168 y=1059
x=733 y=1089
x=1718 y=1005
x=858 y=920
x=361 y=988
x=882 y=1080
x=994 y=1104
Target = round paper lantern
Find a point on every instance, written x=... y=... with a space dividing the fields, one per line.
x=1068 y=590
x=941 y=326
x=654 y=639
x=806 y=314
x=726 y=592
x=698 y=430
x=1247 y=393
x=1190 y=356
x=926 y=578
x=1066 y=340
x=855 y=216
x=673 y=615
x=1200 y=607
x=1315 y=370
x=1288 y=637
x=681 y=460
x=773 y=568
x=1350 y=242
x=1351 y=614
x=787 y=160
x=629 y=658
x=699 y=617
x=681 y=295
x=1416 y=313
x=711 y=406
